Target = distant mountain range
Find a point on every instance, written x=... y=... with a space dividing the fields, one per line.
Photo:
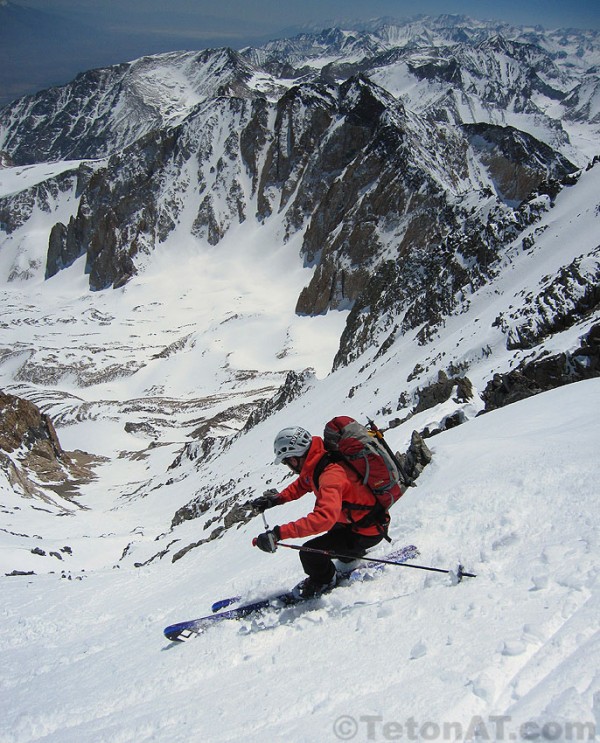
x=420 y=144
x=40 y=48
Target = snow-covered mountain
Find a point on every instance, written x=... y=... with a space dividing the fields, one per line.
x=400 y=222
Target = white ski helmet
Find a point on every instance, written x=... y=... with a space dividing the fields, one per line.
x=291 y=442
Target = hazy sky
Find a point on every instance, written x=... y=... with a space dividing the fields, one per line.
x=47 y=42
x=207 y=18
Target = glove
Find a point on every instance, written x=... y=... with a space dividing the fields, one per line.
x=267 y=542
x=268 y=499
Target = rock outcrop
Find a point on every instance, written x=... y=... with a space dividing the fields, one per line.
x=545 y=373
x=32 y=458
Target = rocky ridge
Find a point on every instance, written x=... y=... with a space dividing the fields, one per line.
x=32 y=459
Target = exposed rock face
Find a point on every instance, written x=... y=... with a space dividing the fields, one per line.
x=103 y=111
x=560 y=302
x=515 y=159
x=22 y=424
x=441 y=390
x=416 y=458
x=428 y=282
x=436 y=393
x=545 y=373
x=17 y=209
x=295 y=384
x=31 y=455
x=41 y=203
x=230 y=512
x=116 y=219
x=378 y=187
x=346 y=164
x=374 y=177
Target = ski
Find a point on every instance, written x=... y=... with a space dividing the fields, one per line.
x=410 y=552
x=183 y=631
x=223 y=603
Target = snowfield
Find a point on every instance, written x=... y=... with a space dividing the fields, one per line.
x=511 y=654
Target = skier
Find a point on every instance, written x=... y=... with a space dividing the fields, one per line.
x=345 y=509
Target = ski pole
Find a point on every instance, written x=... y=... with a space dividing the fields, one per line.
x=460 y=573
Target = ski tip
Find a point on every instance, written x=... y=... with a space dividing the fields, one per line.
x=224 y=603
x=183 y=631
x=179 y=636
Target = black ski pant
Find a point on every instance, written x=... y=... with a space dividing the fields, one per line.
x=340 y=540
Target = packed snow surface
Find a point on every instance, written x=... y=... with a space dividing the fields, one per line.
x=515 y=651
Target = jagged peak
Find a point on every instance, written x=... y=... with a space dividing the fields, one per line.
x=321 y=93
x=498 y=43
x=360 y=88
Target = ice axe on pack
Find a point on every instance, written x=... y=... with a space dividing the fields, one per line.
x=378 y=433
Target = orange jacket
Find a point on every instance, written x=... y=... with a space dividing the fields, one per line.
x=337 y=485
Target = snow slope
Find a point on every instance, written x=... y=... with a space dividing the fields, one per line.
x=513 y=495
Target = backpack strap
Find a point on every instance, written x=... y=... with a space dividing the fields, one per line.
x=330 y=457
x=376 y=515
